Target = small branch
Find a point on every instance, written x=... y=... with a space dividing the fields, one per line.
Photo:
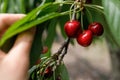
x=66 y=46
x=59 y=55
x=63 y=46
x=65 y=50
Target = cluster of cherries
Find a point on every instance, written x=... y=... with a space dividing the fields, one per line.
x=84 y=37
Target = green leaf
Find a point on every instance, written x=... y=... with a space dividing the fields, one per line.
x=88 y=15
x=28 y=25
x=29 y=4
x=112 y=13
x=29 y=21
x=36 y=47
x=50 y=9
x=94 y=13
x=20 y=6
x=47 y=1
x=31 y=16
x=12 y=6
x=3 y=6
x=97 y=2
x=8 y=44
x=51 y=33
x=62 y=21
x=61 y=71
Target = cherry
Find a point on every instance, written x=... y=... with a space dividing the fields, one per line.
x=85 y=38
x=72 y=28
x=38 y=61
x=48 y=72
x=44 y=50
x=96 y=28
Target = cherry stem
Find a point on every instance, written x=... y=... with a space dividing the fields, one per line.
x=82 y=19
x=74 y=13
x=71 y=11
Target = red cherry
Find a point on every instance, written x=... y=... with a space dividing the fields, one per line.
x=96 y=28
x=48 y=72
x=38 y=61
x=85 y=38
x=44 y=50
x=72 y=28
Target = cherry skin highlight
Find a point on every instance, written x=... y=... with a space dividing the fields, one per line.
x=85 y=38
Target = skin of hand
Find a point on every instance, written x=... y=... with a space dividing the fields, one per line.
x=14 y=65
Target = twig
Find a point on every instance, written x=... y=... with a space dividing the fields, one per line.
x=61 y=49
x=65 y=49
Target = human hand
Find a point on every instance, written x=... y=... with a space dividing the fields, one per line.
x=15 y=64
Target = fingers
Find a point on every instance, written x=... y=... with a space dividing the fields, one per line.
x=22 y=46
x=7 y=19
x=18 y=56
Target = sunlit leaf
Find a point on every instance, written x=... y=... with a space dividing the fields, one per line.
x=28 y=22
